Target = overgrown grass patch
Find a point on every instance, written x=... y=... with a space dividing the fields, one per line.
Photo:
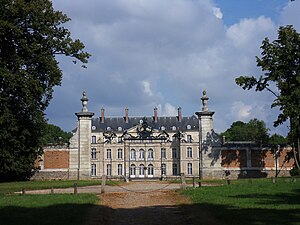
x=248 y=202
x=53 y=209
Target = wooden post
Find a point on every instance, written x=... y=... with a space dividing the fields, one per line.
x=194 y=182
x=273 y=180
x=103 y=184
x=200 y=184
x=183 y=183
x=75 y=188
x=23 y=191
x=52 y=190
x=228 y=181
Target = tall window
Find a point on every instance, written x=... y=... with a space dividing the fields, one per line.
x=108 y=153
x=94 y=153
x=120 y=140
x=132 y=154
x=93 y=170
x=108 y=169
x=132 y=170
x=142 y=170
x=174 y=153
x=120 y=169
x=163 y=153
x=150 y=170
x=175 y=169
x=120 y=153
x=190 y=169
x=163 y=169
x=142 y=154
x=150 y=154
x=189 y=138
x=93 y=139
x=189 y=152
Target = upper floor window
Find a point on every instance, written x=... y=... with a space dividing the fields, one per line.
x=93 y=139
x=94 y=153
x=142 y=154
x=120 y=129
x=188 y=127
x=173 y=128
x=174 y=153
x=120 y=153
x=120 y=139
x=189 y=152
x=108 y=153
x=189 y=138
x=132 y=154
x=163 y=153
x=150 y=154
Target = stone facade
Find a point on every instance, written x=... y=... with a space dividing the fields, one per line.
x=156 y=147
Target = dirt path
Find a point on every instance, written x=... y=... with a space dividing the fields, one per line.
x=135 y=208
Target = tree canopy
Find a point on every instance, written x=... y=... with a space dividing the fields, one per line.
x=280 y=64
x=31 y=35
x=54 y=135
x=255 y=130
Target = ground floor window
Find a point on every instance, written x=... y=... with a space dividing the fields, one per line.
x=150 y=170
x=163 y=169
x=108 y=169
x=120 y=167
x=190 y=169
x=132 y=170
x=142 y=170
x=93 y=171
x=175 y=169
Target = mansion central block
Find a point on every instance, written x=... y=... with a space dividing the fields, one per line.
x=156 y=147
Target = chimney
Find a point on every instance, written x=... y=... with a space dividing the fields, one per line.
x=126 y=115
x=102 y=115
x=155 y=115
x=179 y=115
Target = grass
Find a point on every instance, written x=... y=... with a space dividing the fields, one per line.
x=54 y=209
x=247 y=202
x=11 y=187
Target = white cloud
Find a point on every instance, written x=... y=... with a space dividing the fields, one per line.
x=241 y=111
x=147 y=88
x=218 y=13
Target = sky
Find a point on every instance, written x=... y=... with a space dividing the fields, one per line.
x=164 y=53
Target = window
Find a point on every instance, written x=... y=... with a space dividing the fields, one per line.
x=142 y=170
x=120 y=153
x=163 y=128
x=173 y=128
x=132 y=154
x=108 y=153
x=120 y=129
x=163 y=153
x=120 y=167
x=150 y=170
x=93 y=139
x=108 y=169
x=93 y=170
x=190 y=169
x=120 y=140
x=174 y=153
x=94 y=153
x=189 y=138
x=174 y=139
x=150 y=154
x=189 y=152
x=175 y=170
x=188 y=127
x=132 y=170
x=163 y=169
x=142 y=154
x=108 y=128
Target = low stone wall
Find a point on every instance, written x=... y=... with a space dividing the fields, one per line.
x=54 y=175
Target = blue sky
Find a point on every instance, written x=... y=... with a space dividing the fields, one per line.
x=163 y=54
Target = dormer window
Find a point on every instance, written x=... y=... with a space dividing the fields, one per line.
x=163 y=128
x=120 y=129
x=173 y=128
x=108 y=128
x=188 y=127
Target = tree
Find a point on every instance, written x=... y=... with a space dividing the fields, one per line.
x=31 y=35
x=255 y=130
x=54 y=135
x=280 y=63
x=277 y=139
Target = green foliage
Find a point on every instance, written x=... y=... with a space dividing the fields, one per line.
x=277 y=139
x=255 y=130
x=54 y=135
x=280 y=63
x=31 y=34
x=295 y=171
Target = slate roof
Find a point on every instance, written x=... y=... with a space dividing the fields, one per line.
x=167 y=122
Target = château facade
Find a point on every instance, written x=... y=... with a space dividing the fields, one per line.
x=156 y=147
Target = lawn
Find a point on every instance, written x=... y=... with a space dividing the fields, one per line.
x=247 y=202
x=67 y=209
x=12 y=187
